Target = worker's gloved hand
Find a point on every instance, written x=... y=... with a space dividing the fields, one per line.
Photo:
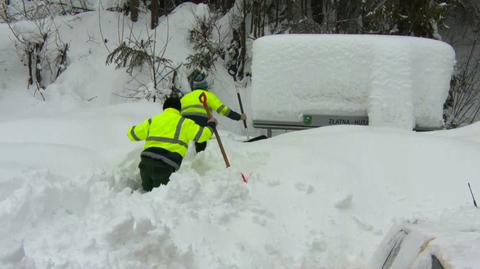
x=212 y=122
x=243 y=116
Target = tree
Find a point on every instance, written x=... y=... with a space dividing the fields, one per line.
x=38 y=42
x=207 y=50
x=139 y=54
x=154 y=13
x=463 y=104
x=404 y=17
x=134 y=6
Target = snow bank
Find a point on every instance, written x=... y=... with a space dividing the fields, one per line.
x=396 y=81
x=291 y=214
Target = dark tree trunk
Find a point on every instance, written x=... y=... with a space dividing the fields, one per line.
x=163 y=7
x=308 y=9
x=175 y=91
x=252 y=18
x=154 y=14
x=243 y=41
x=402 y=11
x=324 y=15
x=263 y=18
x=254 y=13
x=29 y=64
x=38 y=63
x=290 y=10
x=63 y=61
x=277 y=10
x=228 y=4
x=317 y=11
x=134 y=5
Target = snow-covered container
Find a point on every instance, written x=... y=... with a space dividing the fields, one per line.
x=395 y=81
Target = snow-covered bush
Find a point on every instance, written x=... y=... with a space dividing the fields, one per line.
x=142 y=55
x=13 y=10
x=416 y=18
x=38 y=42
x=133 y=55
x=154 y=75
x=463 y=104
x=207 y=50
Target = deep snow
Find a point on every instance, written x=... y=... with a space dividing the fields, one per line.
x=313 y=200
x=321 y=198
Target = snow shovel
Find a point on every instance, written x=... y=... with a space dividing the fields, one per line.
x=241 y=110
x=203 y=100
x=260 y=137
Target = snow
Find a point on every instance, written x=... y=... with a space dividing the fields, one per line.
x=397 y=81
x=451 y=238
x=69 y=183
x=292 y=212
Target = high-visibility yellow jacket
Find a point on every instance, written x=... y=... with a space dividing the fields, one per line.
x=191 y=105
x=167 y=136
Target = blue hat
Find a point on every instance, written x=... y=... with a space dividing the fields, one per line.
x=200 y=82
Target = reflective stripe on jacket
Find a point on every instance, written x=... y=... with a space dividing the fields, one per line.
x=171 y=132
x=192 y=106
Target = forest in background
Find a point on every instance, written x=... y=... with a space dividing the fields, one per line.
x=42 y=50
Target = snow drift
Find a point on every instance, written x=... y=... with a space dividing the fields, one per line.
x=313 y=199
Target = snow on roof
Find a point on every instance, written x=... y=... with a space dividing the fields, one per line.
x=396 y=81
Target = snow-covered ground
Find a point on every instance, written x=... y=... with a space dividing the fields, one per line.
x=314 y=198
x=321 y=198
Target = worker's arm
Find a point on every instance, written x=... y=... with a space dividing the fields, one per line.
x=139 y=132
x=216 y=105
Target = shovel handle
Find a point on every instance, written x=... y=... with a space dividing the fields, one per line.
x=241 y=109
x=204 y=101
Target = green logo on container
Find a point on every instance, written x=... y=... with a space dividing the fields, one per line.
x=307 y=119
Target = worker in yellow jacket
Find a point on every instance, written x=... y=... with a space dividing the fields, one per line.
x=166 y=136
x=193 y=109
